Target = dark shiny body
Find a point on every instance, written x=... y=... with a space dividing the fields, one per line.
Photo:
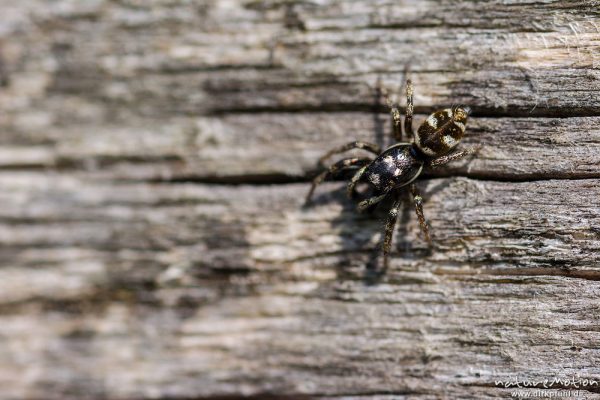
x=395 y=167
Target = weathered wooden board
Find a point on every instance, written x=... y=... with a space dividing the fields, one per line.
x=281 y=147
x=153 y=161
x=125 y=290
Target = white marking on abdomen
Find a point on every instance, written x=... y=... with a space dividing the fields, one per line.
x=449 y=141
x=432 y=121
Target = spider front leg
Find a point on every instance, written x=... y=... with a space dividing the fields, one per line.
x=454 y=156
x=334 y=169
x=357 y=144
x=390 y=224
x=418 y=200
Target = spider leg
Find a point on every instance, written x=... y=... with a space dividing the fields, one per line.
x=408 y=129
x=365 y=204
x=390 y=224
x=354 y=181
x=395 y=111
x=333 y=170
x=373 y=148
x=454 y=156
x=419 y=210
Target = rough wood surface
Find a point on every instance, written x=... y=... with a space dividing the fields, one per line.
x=153 y=160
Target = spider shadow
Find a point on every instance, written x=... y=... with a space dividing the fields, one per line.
x=379 y=121
x=382 y=136
x=361 y=256
x=357 y=256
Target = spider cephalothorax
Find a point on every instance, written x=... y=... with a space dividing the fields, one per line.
x=399 y=165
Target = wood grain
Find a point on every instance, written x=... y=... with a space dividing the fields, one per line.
x=153 y=161
x=198 y=280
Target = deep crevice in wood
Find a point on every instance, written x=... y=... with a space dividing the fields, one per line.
x=282 y=179
x=538 y=112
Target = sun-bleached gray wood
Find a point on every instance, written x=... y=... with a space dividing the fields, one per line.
x=182 y=289
x=153 y=160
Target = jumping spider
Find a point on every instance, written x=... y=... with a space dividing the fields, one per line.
x=399 y=165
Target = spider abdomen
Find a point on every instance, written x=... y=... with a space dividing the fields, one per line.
x=394 y=167
x=442 y=131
